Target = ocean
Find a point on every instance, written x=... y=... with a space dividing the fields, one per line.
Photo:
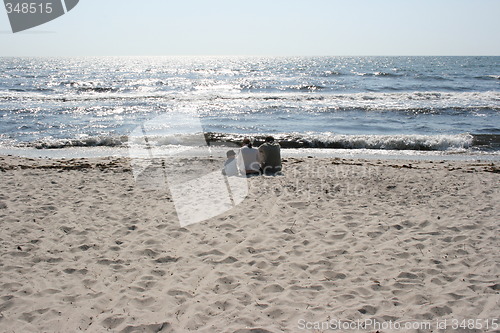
x=404 y=105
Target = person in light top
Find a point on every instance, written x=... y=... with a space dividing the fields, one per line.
x=250 y=158
x=230 y=166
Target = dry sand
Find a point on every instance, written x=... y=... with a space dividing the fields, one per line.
x=83 y=247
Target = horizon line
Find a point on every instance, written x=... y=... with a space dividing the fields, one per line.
x=240 y=55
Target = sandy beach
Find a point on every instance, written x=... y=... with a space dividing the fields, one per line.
x=84 y=247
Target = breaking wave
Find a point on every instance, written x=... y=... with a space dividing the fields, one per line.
x=322 y=140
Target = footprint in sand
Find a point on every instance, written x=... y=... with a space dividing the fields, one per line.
x=368 y=309
x=274 y=288
x=112 y=322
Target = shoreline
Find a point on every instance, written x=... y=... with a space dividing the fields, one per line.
x=86 y=247
x=219 y=152
x=15 y=162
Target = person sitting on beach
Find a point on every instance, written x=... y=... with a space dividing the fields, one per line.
x=231 y=165
x=270 y=156
x=250 y=158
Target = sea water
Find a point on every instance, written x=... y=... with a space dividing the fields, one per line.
x=402 y=105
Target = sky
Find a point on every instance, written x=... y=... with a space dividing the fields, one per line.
x=263 y=27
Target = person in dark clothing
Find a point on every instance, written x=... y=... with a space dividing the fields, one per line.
x=270 y=156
